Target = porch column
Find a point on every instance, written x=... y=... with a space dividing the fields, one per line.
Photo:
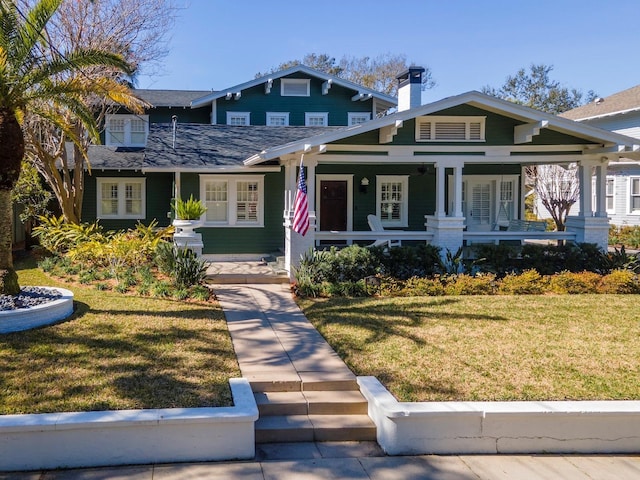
x=447 y=230
x=601 y=191
x=457 y=190
x=440 y=187
x=296 y=245
x=584 y=176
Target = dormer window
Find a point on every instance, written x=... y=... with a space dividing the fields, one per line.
x=316 y=119
x=126 y=130
x=238 y=118
x=450 y=129
x=295 y=87
x=278 y=119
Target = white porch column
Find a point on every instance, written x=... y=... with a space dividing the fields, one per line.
x=447 y=230
x=296 y=245
x=601 y=191
x=586 y=193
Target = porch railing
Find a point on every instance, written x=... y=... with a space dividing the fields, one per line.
x=369 y=236
x=496 y=236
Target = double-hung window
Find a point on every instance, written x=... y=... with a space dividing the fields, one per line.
x=233 y=200
x=238 y=118
x=126 y=130
x=121 y=198
x=392 y=200
x=610 y=194
x=316 y=119
x=634 y=195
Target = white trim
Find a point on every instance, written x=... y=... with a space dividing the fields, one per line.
x=295 y=81
x=121 y=185
x=271 y=115
x=630 y=179
x=434 y=120
x=309 y=115
x=613 y=193
x=404 y=205
x=352 y=115
x=127 y=133
x=232 y=199
x=245 y=115
x=336 y=177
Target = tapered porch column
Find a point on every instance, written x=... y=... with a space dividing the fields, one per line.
x=590 y=227
x=447 y=229
x=296 y=245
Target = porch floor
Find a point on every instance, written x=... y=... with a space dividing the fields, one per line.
x=251 y=271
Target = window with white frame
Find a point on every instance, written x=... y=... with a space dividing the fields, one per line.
x=121 y=198
x=450 y=129
x=126 y=130
x=634 y=195
x=295 y=87
x=392 y=200
x=278 y=119
x=233 y=200
x=316 y=119
x=238 y=118
x=356 y=118
x=610 y=194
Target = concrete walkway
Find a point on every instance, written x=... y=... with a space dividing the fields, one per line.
x=275 y=343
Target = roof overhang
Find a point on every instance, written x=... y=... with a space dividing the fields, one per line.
x=533 y=121
x=329 y=80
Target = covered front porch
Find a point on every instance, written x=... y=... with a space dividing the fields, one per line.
x=448 y=203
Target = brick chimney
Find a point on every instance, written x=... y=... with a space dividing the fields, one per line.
x=410 y=88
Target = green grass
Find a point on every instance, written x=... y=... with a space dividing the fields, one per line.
x=469 y=348
x=117 y=352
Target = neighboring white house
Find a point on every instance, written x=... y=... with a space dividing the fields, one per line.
x=618 y=113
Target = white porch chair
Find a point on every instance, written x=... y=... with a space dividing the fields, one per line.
x=376 y=226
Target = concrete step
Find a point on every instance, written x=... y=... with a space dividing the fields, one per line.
x=319 y=428
x=311 y=402
x=327 y=381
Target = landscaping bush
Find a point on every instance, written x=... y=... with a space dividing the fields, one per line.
x=625 y=236
x=418 y=286
x=572 y=257
x=498 y=259
x=189 y=268
x=409 y=261
x=620 y=281
x=574 y=283
x=482 y=284
x=529 y=282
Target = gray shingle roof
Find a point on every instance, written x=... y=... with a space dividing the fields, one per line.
x=170 y=98
x=626 y=100
x=203 y=146
x=198 y=146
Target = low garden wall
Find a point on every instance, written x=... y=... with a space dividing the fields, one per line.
x=501 y=427
x=123 y=437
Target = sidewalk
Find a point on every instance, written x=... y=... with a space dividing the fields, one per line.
x=275 y=343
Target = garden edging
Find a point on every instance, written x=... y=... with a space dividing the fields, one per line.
x=405 y=428
x=123 y=437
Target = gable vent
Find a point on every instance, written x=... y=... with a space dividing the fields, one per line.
x=450 y=129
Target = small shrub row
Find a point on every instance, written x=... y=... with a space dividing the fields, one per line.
x=624 y=236
x=529 y=282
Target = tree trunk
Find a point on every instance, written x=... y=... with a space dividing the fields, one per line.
x=8 y=276
x=11 y=153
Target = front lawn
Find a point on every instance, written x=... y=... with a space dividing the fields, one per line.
x=467 y=348
x=117 y=352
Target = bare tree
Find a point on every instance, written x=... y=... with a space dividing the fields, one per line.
x=377 y=73
x=135 y=29
x=558 y=189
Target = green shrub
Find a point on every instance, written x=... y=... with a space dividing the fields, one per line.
x=572 y=257
x=181 y=294
x=529 y=282
x=347 y=289
x=48 y=264
x=162 y=289
x=189 y=268
x=498 y=259
x=482 y=284
x=59 y=237
x=408 y=261
x=191 y=209
x=200 y=292
x=574 y=282
x=625 y=236
x=620 y=281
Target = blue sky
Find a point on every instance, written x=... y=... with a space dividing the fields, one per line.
x=467 y=44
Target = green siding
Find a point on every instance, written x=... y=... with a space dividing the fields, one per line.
x=337 y=102
x=185 y=115
x=226 y=240
x=158 y=188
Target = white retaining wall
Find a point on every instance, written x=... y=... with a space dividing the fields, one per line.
x=501 y=427
x=38 y=315
x=123 y=437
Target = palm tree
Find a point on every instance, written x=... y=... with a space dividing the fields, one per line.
x=36 y=79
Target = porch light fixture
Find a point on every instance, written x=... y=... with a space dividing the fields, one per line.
x=364 y=183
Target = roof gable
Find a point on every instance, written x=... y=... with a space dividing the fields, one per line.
x=520 y=113
x=268 y=79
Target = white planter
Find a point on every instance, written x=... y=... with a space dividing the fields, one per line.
x=186 y=227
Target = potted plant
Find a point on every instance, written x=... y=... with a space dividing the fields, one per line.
x=188 y=214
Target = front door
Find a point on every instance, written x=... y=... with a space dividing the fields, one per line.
x=333 y=205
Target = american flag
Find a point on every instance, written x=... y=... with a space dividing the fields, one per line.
x=301 y=207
